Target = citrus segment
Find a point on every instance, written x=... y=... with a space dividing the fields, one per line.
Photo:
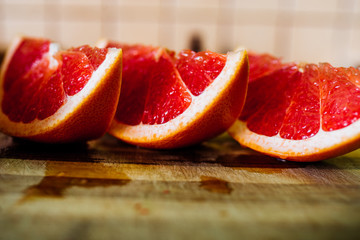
x=167 y=96
x=18 y=66
x=50 y=92
x=134 y=89
x=340 y=97
x=179 y=99
x=198 y=70
x=265 y=115
x=262 y=64
x=75 y=72
x=96 y=56
x=150 y=86
x=302 y=118
x=301 y=112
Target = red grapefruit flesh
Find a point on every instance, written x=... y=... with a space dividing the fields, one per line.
x=302 y=113
x=49 y=95
x=171 y=100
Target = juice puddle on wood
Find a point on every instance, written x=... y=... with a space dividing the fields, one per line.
x=60 y=176
x=216 y=185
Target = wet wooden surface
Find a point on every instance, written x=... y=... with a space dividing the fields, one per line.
x=106 y=189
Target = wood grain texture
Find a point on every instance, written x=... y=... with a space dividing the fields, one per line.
x=106 y=189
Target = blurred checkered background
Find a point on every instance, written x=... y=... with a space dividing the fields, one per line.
x=300 y=30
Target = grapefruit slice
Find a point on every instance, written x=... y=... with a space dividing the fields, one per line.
x=302 y=112
x=49 y=95
x=171 y=100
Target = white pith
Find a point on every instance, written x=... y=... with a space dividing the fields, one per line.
x=20 y=129
x=198 y=107
x=321 y=142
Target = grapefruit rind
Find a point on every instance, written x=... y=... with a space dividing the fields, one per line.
x=41 y=130
x=208 y=115
x=323 y=145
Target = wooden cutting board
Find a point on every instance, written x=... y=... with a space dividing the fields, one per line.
x=106 y=189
